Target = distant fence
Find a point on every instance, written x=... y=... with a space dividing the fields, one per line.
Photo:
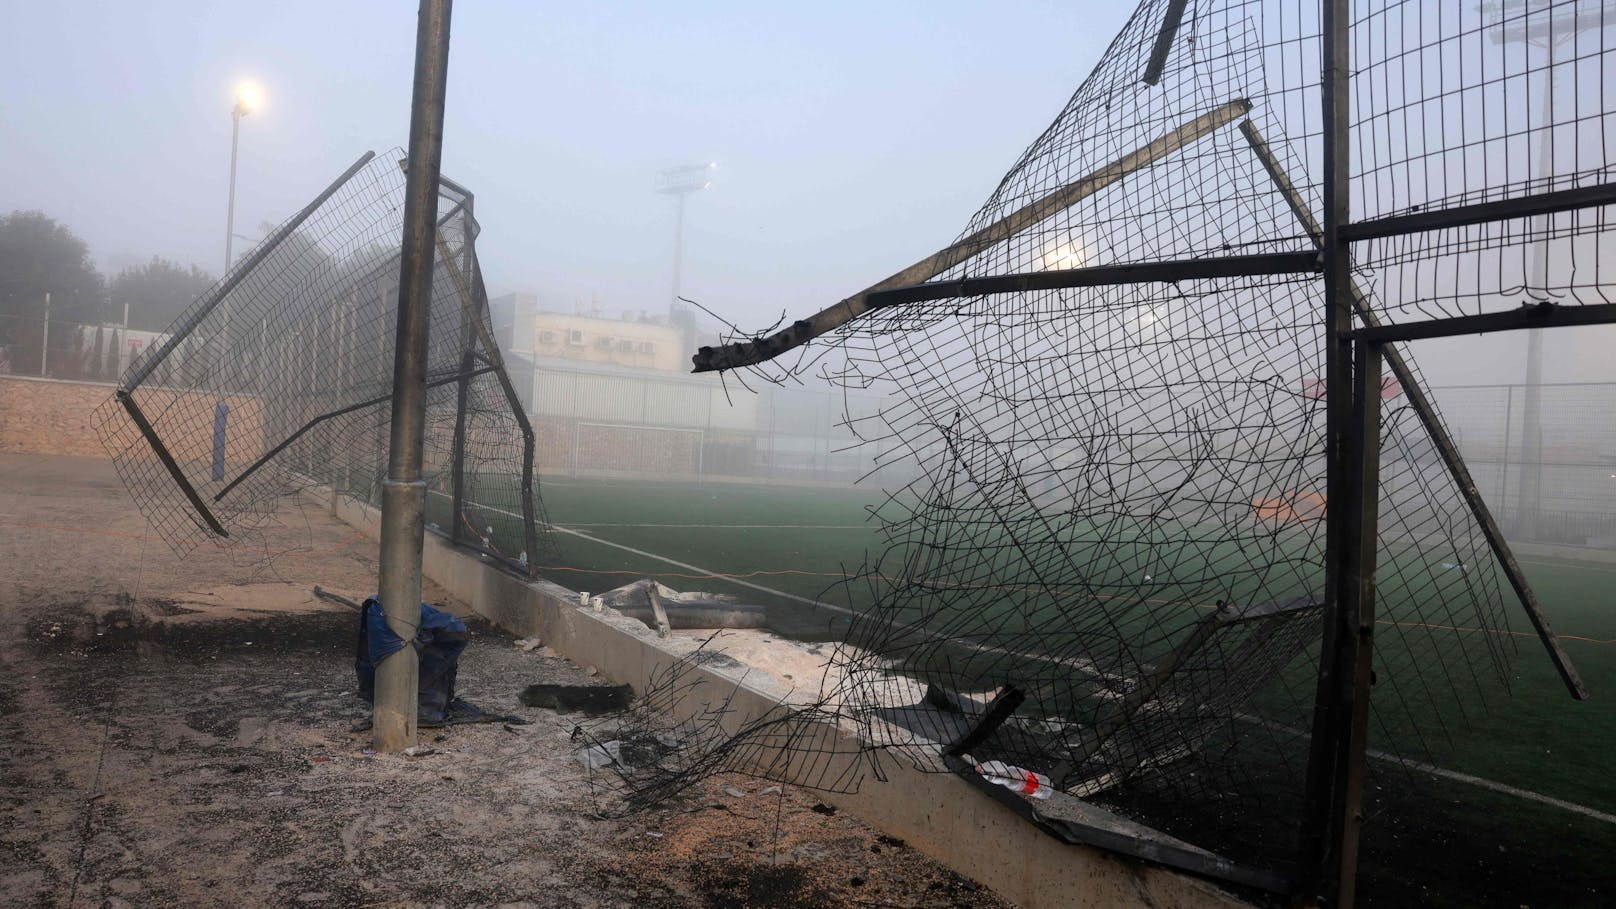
x=594 y=419
x=589 y=418
x=1567 y=494
x=600 y=419
x=35 y=347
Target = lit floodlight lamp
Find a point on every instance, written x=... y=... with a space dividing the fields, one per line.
x=249 y=97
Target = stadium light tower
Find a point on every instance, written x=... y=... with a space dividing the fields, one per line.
x=680 y=182
x=249 y=97
x=1547 y=29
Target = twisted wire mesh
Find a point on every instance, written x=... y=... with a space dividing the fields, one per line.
x=1111 y=499
x=280 y=379
x=1455 y=104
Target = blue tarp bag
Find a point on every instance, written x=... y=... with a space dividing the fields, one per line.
x=439 y=641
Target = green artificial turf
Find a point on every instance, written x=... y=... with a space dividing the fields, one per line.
x=801 y=541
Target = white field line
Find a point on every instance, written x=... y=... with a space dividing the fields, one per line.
x=1456 y=776
x=1566 y=563
x=675 y=562
x=1504 y=788
x=718 y=576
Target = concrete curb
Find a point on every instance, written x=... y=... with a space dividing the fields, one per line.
x=937 y=813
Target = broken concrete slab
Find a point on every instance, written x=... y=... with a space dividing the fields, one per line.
x=684 y=611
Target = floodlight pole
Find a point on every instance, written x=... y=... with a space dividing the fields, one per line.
x=230 y=210
x=680 y=182
x=404 y=491
x=678 y=246
x=44 y=341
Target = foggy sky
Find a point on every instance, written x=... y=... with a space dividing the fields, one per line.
x=852 y=138
x=851 y=141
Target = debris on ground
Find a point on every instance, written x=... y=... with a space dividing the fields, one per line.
x=156 y=760
x=349 y=602
x=588 y=699
x=598 y=757
x=786 y=854
x=697 y=609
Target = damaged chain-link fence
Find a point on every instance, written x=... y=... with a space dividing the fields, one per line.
x=1104 y=455
x=278 y=380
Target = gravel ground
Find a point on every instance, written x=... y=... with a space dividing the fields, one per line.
x=178 y=732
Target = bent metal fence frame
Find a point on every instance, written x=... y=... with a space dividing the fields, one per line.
x=1172 y=337
x=279 y=379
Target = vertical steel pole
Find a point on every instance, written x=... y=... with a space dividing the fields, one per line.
x=1503 y=478
x=1526 y=521
x=347 y=385
x=468 y=344
x=530 y=439
x=381 y=380
x=404 y=491
x=1526 y=526
x=678 y=248
x=1357 y=625
x=230 y=211
x=229 y=232
x=457 y=502
x=121 y=343
x=1321 y=858
x=44 y=341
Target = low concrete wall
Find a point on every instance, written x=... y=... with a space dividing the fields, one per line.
x=937 y=813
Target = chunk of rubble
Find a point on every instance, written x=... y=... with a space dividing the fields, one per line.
x=694 y=609
x=590 y=700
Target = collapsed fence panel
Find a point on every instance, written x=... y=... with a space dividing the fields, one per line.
x=279 y=378
x=1108 y=401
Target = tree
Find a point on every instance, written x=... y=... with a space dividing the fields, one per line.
x=38 y=255
x=156 y=293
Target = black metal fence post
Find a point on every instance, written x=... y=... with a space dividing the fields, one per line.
x=457 y=455
x=1322 y=858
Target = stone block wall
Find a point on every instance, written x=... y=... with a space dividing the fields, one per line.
x=56 y=417
x=48 y=416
